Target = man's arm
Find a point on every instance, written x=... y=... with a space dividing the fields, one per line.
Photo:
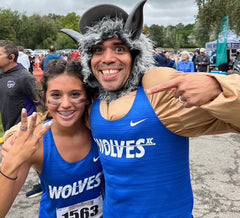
x=30 y=88
x=197 y=61
x=216 y=110
x=206 y=61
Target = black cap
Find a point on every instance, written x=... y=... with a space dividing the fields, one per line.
x=133 y=22
x=97 y=13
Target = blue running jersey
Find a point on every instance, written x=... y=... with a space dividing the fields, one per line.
x=66 y=185
x=146 y=167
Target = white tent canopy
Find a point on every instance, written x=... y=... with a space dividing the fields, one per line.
x=233 y=42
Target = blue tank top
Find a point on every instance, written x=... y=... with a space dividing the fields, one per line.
x=67 y=185
x=146 y=167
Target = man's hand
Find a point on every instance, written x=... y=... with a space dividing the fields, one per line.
x=192 y=89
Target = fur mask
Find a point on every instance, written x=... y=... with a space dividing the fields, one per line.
x=141 y=50
x=103 y=22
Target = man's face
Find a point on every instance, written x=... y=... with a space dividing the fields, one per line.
x=111 y=64
x=4 y=60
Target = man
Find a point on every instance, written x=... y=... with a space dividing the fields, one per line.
x=196 y=53
x=143 y=137
x=23 y=58
x=17 y=86
x=18 y=90
x=170 y=60
x=160 y=58
x=202 y=61
x=52 y=55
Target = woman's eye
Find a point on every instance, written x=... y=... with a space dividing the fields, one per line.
x=76 y=95
x=55 y=95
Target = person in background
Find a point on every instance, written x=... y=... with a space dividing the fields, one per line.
x=160 y=58
x=224 y=67
x=23 y=58
x=185 y=65
x=66 y=158
x=18 y=88
x=76 y=55
x=31 y=60
x=52 y=55
x=196 y=53
x=170 y=61
x=142 y=118
x=202 y=61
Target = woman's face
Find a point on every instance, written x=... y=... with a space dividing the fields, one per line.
x=66 y=100
x=184 y=57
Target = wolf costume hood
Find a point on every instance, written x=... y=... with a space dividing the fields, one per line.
x=106 y=21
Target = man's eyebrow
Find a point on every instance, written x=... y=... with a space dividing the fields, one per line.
x=114 y=43
x=118 y=43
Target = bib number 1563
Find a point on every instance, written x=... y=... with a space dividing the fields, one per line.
x=88 y=209
x=84 y=212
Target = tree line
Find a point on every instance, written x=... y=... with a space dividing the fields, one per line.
x=37 y=31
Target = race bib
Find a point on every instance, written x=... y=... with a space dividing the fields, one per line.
x=87 y=209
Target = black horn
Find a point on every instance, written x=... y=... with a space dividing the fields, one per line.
x=72 y=34
x=134 y=23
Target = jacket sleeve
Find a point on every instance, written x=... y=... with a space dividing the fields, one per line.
x=178 y=66
x=192 y=67
x=221 y=115
x=30 y=88
x=197 y=61
x=207 y=61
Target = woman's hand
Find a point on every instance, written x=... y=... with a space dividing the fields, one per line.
x=20 y=147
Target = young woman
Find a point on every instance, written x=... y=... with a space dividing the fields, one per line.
x=66 y=158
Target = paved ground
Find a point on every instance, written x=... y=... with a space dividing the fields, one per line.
x=215 y=169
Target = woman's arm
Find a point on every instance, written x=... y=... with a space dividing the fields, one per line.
x=192 y=66
x=16 y=153
x=10 y=188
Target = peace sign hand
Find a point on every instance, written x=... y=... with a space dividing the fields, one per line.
x=19 y=148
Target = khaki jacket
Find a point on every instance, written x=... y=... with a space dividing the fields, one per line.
x=222 y=115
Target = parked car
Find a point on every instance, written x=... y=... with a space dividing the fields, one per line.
x=39 y=52
x=28 y=50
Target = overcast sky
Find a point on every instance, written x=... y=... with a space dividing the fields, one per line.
x=160 y=12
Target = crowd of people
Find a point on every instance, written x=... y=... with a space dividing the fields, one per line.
x=182 y=61
x=31 y=60
x=114 y=139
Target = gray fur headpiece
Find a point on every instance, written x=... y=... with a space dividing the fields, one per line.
x=129 y=32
